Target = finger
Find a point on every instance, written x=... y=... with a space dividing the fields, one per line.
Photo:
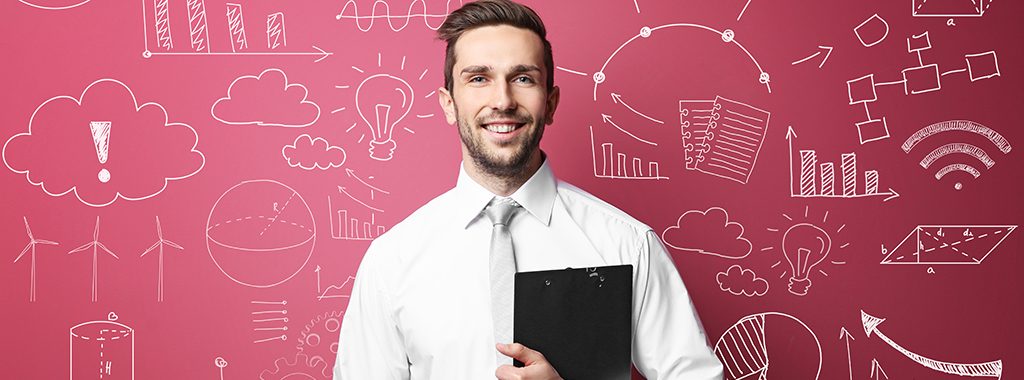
x=521 y=353
x=508 y=372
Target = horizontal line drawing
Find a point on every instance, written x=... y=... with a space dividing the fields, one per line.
x=728 y=36
x=949 y=9
x=948 y=244
x=987 y=369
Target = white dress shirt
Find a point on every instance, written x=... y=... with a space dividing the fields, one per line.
x=420 y=308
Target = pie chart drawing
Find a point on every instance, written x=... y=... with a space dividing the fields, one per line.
x=54 y=5
x=260 y=233
x=767 y=346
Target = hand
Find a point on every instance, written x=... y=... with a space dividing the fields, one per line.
x=537 y=367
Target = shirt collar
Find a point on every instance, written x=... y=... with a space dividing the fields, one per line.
x=537 y=195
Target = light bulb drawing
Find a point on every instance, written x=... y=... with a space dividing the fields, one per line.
x=390 y=100
x=804 y=245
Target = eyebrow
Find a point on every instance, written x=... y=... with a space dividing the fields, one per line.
x=517 y=69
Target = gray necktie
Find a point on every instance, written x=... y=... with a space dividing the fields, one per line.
x=503 y=269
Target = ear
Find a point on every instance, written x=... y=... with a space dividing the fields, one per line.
x=444 y=98
x=552 y=101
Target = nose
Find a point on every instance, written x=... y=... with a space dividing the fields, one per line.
x=502 y=98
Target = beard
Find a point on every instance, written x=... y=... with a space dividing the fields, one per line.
x=490 y=162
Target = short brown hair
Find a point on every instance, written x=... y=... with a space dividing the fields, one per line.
x=487 y=13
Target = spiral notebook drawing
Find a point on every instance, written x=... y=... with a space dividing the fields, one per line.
x=722 y=137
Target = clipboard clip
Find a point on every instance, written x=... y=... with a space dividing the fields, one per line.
x=593 y=273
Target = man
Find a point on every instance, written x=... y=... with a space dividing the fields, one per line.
x=429 y=301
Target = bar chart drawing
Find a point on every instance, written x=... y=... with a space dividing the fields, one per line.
x=617 y=165
x=162 y=24
x=344 y=227
x=819 y=180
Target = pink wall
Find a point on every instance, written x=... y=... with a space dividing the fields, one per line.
x=238 y=149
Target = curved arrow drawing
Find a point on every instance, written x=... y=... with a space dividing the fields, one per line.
x=987 y=369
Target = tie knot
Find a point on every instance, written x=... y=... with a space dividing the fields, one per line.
x=501 y=210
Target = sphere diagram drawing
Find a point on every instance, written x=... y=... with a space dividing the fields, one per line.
x=260 y=233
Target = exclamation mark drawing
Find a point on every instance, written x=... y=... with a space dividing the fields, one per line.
x=101 y=140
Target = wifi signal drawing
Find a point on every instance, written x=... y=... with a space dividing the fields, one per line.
x=962 y=148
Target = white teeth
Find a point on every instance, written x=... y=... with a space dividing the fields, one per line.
x=501 y=128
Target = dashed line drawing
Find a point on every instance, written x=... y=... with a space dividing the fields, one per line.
x=383 y=100
x=964 y=126
x=159 y=247
x=617 y=165
x=920 y=79
x=272 y=317
x=96 y=245
x=199 y=33
x=872 y=31
x=343 y=290
x=247 y=104
x=957 y=8
x=31 y=250
x=437 y=18
x=722 y=137
x=319 y=341
x=805 y=245
x=220 y=363
x=744 y=349
x=987 y=369
x=820 y=181
x=727 y=36
x=297 y=367
x=826 y=49
x=54 y=5
x=739 y=281
x=308 y=153
x=103 y=349
x=260 y=233
x=708 y=232
x=948 y=244
x=144 y=127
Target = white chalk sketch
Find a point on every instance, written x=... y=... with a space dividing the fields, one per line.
x=919 y=79
x=96 y=246
x=987 y=369
x=826 y=49
x=31 y=250
x=844 y=334
x=103 y=349
x=745 y=352
x=51 y=124
x=805 y=245
x=309 y=153
x=54 y=5
x=819 y=180
x=876 y=370
x=727 y=36
x=964 y=126
x=950 y=8
x=948 y=244
x=617 y=165
x=346 y=226
x=159 y=247
x=722 y=137
x=295 y=368
x=617 y=99
x=270 y=317
x=739 y=281
x=197 y=22
x=737 y=17
x=872 y=31
x=260 y=233
x=708 y=232
x=351 y=12
x=220 y=363
x=383 y=100
x=342 y=290
x=247 y=105
x=319 y=341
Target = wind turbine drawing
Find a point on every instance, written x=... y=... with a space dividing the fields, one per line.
x=32 y=241
x=160 y=271
x=96 y=246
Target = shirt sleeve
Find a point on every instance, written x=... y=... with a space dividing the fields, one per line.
x=371 y=344
x=668 y=341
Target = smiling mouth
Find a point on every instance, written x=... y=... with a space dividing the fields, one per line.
x=503 y=127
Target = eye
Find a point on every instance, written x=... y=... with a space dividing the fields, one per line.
x=477 y=79
x=523 y=79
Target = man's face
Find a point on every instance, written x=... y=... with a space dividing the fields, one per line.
x=499 y=97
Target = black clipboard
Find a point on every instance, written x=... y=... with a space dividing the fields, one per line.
x=580 y=319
